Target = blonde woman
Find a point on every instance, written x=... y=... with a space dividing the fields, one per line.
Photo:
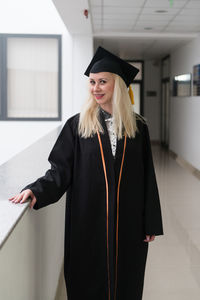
x=103 y=159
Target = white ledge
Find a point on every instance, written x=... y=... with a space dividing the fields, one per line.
x=21 y=170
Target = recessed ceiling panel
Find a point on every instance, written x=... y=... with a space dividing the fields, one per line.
x=156 y=17
x=193 y=4
x=154 y=10
x=155 y=20
x=190 y=12
x=135 y=3
x=121 y=9
x=165 y=3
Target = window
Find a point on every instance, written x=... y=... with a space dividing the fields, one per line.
x=30 y=81
x=182 y=85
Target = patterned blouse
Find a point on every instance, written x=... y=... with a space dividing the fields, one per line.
x=110 y=127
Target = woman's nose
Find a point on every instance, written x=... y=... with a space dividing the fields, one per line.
x=96 y=87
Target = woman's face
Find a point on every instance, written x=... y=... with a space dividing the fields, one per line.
x=101 y=87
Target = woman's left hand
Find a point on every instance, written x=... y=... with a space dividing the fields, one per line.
x=149 y=238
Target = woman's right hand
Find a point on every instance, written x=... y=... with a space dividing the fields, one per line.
x=23 y=196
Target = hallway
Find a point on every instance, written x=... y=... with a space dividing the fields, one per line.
x=45 y=48
x=173 y=266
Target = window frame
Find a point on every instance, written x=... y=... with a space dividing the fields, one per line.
x=3 y=76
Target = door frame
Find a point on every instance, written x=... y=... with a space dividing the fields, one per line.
x=164 y=132
x=141 y=83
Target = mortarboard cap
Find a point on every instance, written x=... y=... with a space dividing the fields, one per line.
x=105 y=61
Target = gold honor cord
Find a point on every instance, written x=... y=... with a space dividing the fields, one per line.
x=106 y=180
x=131 y=95
x=117 y=226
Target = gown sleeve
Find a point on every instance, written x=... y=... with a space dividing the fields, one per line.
x=50 y=187
x=152 y=214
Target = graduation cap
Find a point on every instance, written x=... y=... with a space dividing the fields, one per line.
x=105 y=61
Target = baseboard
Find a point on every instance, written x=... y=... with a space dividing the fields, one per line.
x=185 y=164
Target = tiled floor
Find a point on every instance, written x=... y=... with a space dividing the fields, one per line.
x=173 y=266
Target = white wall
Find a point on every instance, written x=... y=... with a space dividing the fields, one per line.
x=185 y=111
x=32 y=257
x=82 y=55
x=41 y=17
x=152 y=104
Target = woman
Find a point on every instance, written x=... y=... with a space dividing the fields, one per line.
x=103 y=159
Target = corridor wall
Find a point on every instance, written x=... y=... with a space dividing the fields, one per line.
x=184 y=111
x=36 y=17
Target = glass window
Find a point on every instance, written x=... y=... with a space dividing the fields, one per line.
x=182 y=85
x=32 y=78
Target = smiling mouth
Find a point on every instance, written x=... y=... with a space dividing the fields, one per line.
x=98 y=96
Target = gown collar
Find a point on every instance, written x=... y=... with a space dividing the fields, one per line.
x=112 y=163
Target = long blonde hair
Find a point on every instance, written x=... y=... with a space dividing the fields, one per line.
x=123 y=114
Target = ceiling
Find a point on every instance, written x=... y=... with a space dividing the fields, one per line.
x=144 y=29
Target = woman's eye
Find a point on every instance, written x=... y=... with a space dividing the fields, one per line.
x=92 y=82
x=103 y=81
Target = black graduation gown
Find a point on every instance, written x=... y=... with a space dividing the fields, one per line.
x=90 y=247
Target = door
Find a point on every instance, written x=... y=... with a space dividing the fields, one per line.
x=165 y=113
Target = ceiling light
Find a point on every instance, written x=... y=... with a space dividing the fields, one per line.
x=161 y=11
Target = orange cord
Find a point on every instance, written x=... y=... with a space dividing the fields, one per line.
x=106 y=180
x=107 y=214
x=117 y=225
